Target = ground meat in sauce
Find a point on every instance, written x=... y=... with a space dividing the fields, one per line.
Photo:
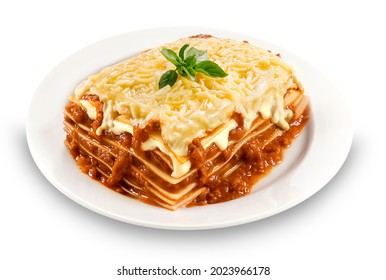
x=196 y=153
x=142 y=134
x=257 y=159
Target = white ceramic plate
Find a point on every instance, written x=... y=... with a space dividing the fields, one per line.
x=312 y=161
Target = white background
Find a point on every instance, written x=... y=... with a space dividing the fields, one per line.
x=339 y=233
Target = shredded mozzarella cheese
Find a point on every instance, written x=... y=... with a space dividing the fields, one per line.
x=256 y=84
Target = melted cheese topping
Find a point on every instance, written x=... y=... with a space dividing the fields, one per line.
x=219 y=137
x=180 y=166
x=256 y=84
x=90 y=109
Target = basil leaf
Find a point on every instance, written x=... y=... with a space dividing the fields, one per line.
x=171 y=56
x=210 y=69
x=181 y=72
x=168 y=78
x=182 y=51
x=192 y=73
x=190 y=61
x=187 y=73
x=200 y=55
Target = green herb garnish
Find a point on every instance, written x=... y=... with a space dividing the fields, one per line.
x=188 y=62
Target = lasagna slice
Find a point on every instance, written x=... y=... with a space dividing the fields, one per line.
x=196 y=142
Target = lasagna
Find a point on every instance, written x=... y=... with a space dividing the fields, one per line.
x=197 y=142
